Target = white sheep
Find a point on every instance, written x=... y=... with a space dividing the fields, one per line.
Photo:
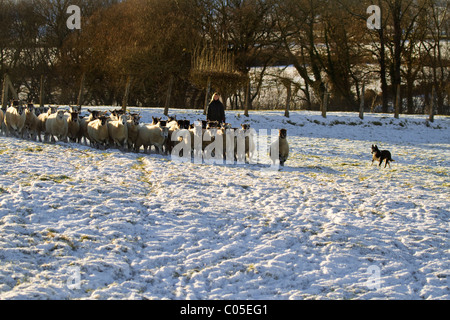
x=151 y=135
x=15 y=120
x=98 y=132
x=42 y=119
x=57 y=126
x=115 y=114
x=172 y=126
x=118 y=131
x=93 y=115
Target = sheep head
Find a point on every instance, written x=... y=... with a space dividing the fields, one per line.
x=123 y=119
x=103 y=119
x=74 y=116
x=135 y=117
x=20 y=109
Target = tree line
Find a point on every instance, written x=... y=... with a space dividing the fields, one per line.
x=140 y=50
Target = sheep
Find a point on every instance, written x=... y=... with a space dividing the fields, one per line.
x=132 y=129
x=214 y=144
x=93 y=115
x=172 y=123
x=74 y=126
x=151 y=135
x=183 y=124
x=249 y=142
x=118 y=132
x=31 y=122
x=115 y=114
x=209 y=131
x=57 y=126
x=196 y=132
x=98 y=132
x=207 y=137
x=172 y=126
x=155 y=120
x=283 y=147
x=42 y=118
x=75 y=109
x=15 y=119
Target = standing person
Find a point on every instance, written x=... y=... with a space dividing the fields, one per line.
x=216 y=110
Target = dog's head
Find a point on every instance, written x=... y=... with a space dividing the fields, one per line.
x=283 y=133
x=375 y=149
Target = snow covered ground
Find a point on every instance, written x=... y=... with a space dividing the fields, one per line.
x=79 y=223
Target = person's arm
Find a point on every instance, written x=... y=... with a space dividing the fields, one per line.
x=222 y=113
x=208 y=112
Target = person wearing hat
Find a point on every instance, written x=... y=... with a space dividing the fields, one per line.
x=216 y=110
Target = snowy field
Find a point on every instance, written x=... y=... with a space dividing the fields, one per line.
x=79 y=223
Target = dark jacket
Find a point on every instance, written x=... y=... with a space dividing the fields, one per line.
x=216 y=111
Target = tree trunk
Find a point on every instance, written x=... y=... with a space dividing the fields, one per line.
x=288 y=97
x=168 y=96
x=382 y=62
x=398 y=102
x=80 y=92
x=432 y=106
x=41 y=92
x=324 y=105
x=208 y=89
x=397 y=62
x=127 y=93
x=361 y=105
x=4 y=92
x=247 y=97
x=409 y=95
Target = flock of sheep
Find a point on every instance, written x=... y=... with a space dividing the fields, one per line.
x=103 y=129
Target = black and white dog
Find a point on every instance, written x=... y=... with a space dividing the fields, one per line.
x=381 y=155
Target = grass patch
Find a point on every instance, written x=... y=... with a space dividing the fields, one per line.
x=53 y=235
x=35 y=149
x=86 y=238
x=140 y=166
x=295 y=123
x=337 y=122
x=55 y=178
